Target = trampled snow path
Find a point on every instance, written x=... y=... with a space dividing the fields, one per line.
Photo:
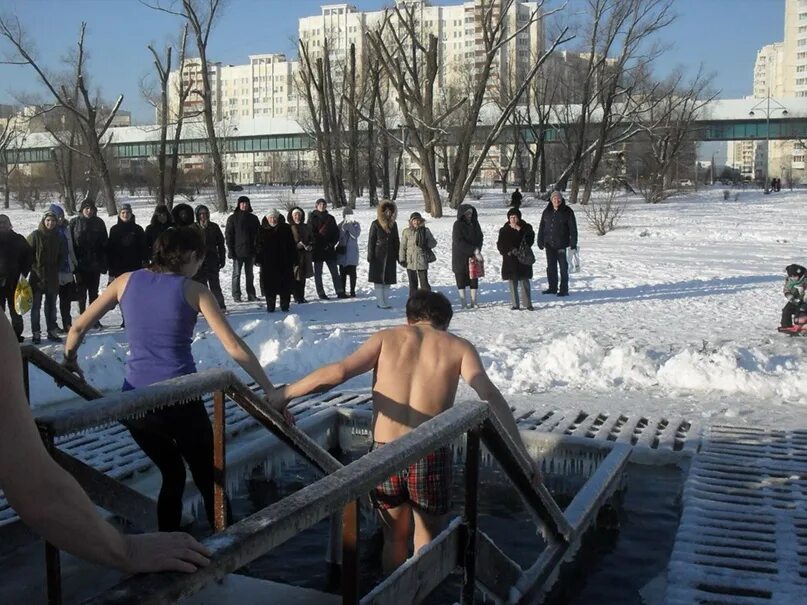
x=672 y=315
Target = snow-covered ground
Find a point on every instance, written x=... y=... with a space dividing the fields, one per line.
x=673 y=314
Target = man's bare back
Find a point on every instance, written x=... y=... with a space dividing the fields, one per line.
x=415 y=377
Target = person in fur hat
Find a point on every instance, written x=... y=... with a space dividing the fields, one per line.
x=304 y=244
x=48 y=256
x=276 y=253
x=382 y=252
x=347 y=251
x=160 y=221
x=90 y=238
x=215 y=255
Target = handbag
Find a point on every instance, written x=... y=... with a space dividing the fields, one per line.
x=476 y=268
x=429 y=254
x=23 y=296
x=573 y=259
x=524 y=253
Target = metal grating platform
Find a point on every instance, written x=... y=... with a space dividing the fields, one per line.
x=111 y=449
x=743 y=533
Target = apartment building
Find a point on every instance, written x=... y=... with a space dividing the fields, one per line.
x=781 y=71
x=265 y=87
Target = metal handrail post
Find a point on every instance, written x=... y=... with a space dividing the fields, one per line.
x=470 y=517
x=219 y=463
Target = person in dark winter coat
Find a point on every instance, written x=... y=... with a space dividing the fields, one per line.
x=15 y=261
x=558 y=231
x=239 y=234
x=326 y=237
x=183 y=215
x=127 y=244
x=515 y=245
x=215 y=256
x=515 y=199
x=90 y=240
x=415 y=254
x=160 y=221
x=276 y=255
x=347 y=256
x=383 y=246
x=466 y=242
x=67 y=279
x=47 y=257
x=304 y=242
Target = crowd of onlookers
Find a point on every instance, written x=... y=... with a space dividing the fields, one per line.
x=64 y=261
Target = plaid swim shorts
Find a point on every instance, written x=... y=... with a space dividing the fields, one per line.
x=426 y=484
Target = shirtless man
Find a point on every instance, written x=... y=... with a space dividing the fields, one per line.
x=416 y=369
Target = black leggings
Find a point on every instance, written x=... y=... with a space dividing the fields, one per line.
x=346 y=271
x=167 y=436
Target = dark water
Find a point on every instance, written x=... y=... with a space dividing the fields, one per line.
x=615 y=561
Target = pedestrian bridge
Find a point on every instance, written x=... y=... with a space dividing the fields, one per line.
x=721 y=120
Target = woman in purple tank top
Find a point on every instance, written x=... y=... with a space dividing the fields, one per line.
x=160 y=306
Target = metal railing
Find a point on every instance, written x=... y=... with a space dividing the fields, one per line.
x=462 y=544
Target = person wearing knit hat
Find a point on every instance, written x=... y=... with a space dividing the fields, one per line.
x=515 y=242
x=89 y=234
x=240 y=232
x=46 y=259
x=67 y=268
x=127 y=244
x=347 y=250
x=215 y=255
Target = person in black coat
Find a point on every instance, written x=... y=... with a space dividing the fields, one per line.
x=558 y=231
x=90 y=239
x=326 y=237
x=466 y=241
x=515 y=245
x=160 y=221
x=15 y=260
x=382 y=251
x=276 y=255
x=215 y=256
x=126 y=249
x=239 y=234
x=515 y=199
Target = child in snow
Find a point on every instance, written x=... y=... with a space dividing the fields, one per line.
x=794 y=290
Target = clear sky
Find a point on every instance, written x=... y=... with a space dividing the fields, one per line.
x=723 y=34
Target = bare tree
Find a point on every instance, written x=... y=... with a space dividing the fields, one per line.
x=410 y=62
x=669 y=128
x=91 y=118
x=200 y=15
x=13 y=134
x=167 y=167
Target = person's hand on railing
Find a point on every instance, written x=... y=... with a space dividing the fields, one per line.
x=176 y=551
x=277 y=401
x=70 y=364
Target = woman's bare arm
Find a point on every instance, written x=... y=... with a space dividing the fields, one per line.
x=49 y=500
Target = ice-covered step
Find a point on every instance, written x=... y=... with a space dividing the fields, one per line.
x=743 y=532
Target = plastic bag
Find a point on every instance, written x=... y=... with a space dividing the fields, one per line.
x=23 y=296
x=476 y=268
x=573 y=258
